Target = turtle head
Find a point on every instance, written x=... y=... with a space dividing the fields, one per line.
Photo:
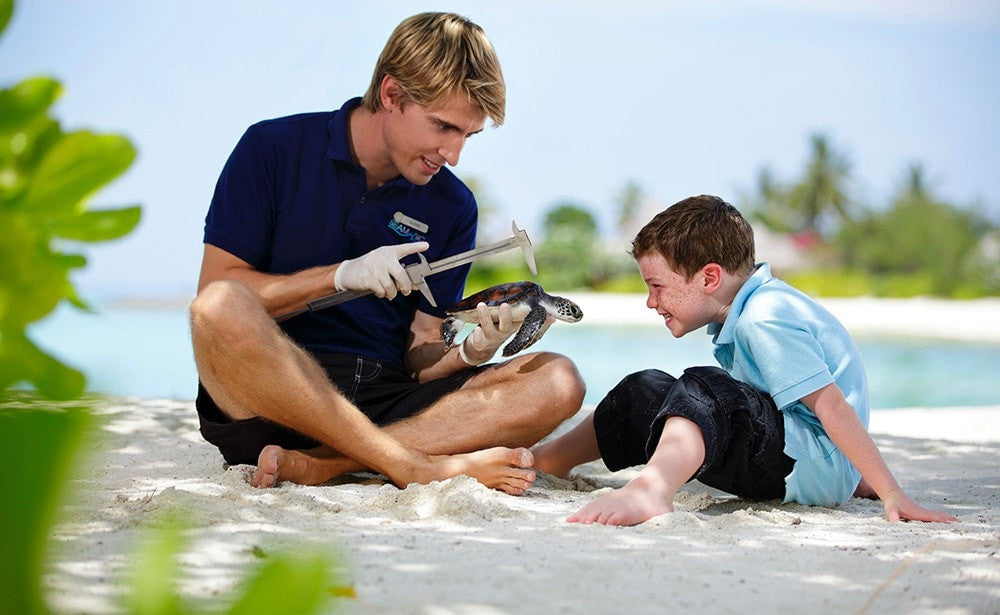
x=568 y=311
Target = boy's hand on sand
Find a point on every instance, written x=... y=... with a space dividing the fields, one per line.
x=899 y=507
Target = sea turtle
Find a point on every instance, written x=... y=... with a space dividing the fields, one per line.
x=526 y=299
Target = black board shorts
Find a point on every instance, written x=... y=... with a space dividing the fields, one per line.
x=743 y=430
x=383 y=391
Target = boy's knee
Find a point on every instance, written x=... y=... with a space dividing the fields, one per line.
x=643 y=388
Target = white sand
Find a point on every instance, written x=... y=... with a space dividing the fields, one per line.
x=457 y=547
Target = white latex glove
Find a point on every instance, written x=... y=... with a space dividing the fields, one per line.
x=379 y=270
x=482 y=343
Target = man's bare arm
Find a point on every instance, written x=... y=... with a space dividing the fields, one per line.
x=426 y=355
x=428 y=359
x=278 y=294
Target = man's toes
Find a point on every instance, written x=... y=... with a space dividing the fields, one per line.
x=522 y=457
x=513 y=487
x=267 y=467
x=263 y=480
x=528 y=476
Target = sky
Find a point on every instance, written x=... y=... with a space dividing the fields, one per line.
x=681 y=98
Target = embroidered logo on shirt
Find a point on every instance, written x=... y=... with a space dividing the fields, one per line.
x=408 y=227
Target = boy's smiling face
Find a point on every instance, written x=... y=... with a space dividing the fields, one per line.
x=685 y=305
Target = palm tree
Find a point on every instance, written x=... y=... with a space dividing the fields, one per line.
x=822 y=190
x=771 y=203
x=804 y=207
x=629 y=201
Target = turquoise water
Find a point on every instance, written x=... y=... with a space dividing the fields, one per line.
x=147 y=353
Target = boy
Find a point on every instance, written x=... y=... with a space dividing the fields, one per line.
x=779 y=350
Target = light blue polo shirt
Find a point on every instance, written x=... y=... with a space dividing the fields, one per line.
x=781 y=341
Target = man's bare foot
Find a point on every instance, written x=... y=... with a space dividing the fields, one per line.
x=502 y=468
x=640 y=500
x=275 y=464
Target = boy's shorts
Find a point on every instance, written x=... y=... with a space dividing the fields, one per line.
x=382 y=391
x=744 y=431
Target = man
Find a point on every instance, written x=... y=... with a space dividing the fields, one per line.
x=314 y=203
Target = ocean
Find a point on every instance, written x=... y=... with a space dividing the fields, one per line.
x=146 y=352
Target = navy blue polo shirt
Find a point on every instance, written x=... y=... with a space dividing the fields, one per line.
x=290 y=197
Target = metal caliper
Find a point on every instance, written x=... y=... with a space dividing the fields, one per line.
x=420 y=270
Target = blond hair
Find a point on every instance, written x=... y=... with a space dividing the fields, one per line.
x=435 y=55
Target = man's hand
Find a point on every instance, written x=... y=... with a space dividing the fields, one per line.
x=481 y=344
x=379 y=270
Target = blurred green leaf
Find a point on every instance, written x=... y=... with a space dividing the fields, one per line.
x=283 y=583
x=75 y=299
x=74 y=168
x=6 y=9
x=154 y=571
x=286 y=584
x=25 y=101
x=99 y=225
x=39 y=449
x=33 y=278
x=22 y=361
x=46 y=177
x=20 y=155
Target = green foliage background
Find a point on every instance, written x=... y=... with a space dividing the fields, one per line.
x=47 y=178
x=916 y=244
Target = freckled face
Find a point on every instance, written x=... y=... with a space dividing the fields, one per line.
x=421 y=140
x=683 y=304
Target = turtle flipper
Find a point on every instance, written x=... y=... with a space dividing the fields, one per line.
x=450 y=327
x=532 y=328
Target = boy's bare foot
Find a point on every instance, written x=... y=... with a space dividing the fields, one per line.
x=501 y=468
x=640 y=500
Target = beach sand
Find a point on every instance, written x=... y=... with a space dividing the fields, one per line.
x=457 y=547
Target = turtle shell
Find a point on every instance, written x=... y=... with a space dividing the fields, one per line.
x=512 y=293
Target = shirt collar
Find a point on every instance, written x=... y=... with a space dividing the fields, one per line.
x=339 y=142
x=723 y=333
